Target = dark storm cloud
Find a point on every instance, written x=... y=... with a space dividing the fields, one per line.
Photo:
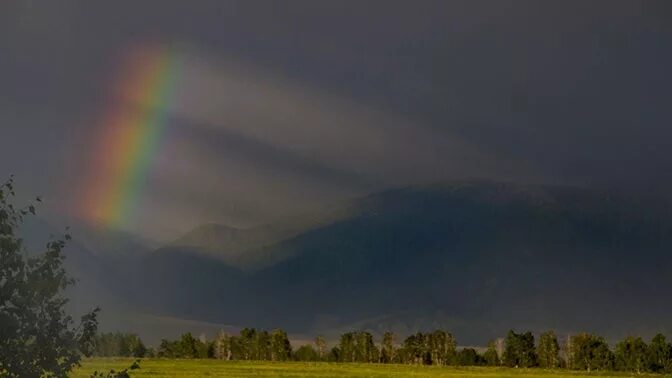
x=281 y=146
x=567 y=91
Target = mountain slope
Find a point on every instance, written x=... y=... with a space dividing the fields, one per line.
x=475 y=257
x=248 y=249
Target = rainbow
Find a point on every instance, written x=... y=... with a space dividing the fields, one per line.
x=130 y=135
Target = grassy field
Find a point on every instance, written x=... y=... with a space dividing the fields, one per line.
x=215 y=368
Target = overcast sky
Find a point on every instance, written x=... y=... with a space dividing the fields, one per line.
x=286 y=105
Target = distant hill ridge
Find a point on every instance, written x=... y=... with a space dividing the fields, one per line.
x=244 y=248
x=473 y=257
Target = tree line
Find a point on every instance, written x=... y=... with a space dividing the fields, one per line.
x=577 y=352
x=38 y=339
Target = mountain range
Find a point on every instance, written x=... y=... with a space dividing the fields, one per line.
x=474 y=257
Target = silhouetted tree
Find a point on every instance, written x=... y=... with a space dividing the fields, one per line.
x=346 y=347
x=281 y=348
x=306 y=353
x=334 y=355
x=548 y=351
x=659 y=356
x=490 y=356
x=119 y=344
x=261 y=346
x=365 y=348
x=519 y=350
x=246 y=343
x=167 y=349
x=222 y=346
x=631 y=355
x=387 y=349
x=321 y=347
x=37 y=338
x=469 y=357
x=188 y=346
x=589 y=352
x=441 y=347
x=416 y=350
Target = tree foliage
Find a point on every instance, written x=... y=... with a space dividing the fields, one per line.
x=659 y=355
x=222 y=346
x=281 y=348
x=631 y=355
x=583 y=351
x=434 y=348
x=548 y=351
x=469 y=357
x=519 y=350
x=320 y=346
x=358 y=347
x=490 y=356
x=186 y=347
x=117 y=344
x=306 y=353
x=37 y=337
x=388 y=352
x=589 y=352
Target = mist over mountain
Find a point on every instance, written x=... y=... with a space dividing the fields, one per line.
x=250 y=249
x=474 y=257
x=341 y=169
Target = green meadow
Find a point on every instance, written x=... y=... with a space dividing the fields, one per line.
x=217 y=368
